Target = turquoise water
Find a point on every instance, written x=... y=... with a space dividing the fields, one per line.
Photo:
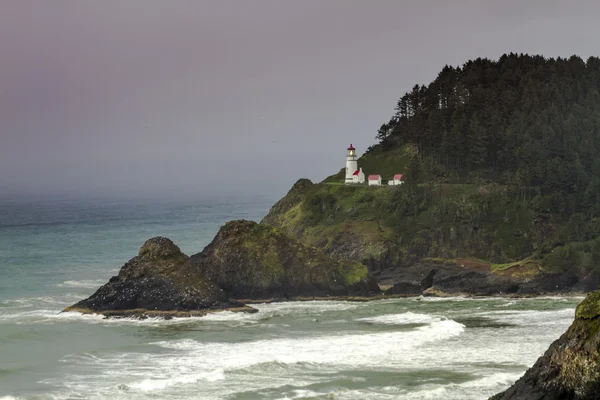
x=55 y=253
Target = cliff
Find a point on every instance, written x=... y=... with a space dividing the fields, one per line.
x=256 y=261
x=500 y=159
x=483 y=234
x=570 y=368
x=159 y=281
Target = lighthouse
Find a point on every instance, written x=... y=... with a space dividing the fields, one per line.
x=353 y=173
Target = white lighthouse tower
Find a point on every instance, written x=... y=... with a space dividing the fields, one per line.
x=353 y=173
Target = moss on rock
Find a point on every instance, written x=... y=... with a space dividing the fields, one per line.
x=392 y=227
x=159 y=281
x=570 y=368
x=257 y=261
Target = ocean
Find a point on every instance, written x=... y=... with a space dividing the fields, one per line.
x=56 y=252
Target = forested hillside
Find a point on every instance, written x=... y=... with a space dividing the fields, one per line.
x=522 y=120
x=502 y=166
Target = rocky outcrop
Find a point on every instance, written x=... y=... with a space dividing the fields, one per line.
x=395 y=230
x=256 y=261
x=471 y=277
x=570 y=368
x=287 y=202
x=160 y=281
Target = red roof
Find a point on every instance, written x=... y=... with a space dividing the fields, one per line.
x=351 y=147
x=398 y=177
x=373 y=177
x=356 y=172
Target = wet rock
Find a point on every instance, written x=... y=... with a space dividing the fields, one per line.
x=160 y=281
x=257 y=261
x=570 y=368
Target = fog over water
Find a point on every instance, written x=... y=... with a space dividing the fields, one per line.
x=152 y=98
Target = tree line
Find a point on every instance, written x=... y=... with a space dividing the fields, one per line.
x=523 y=120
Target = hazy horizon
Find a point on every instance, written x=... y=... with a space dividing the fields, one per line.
x=146 y=99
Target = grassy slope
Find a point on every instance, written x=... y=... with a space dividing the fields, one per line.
x=408 y=223
x=404 y=224
x=261 y=256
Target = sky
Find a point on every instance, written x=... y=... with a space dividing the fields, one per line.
x=159 y=98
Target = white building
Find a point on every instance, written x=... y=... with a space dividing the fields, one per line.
x=398 y=180
x=358 y=176
x=353 y=173
x=374 y=180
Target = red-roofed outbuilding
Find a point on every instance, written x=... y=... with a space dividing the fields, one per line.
x=374 y=180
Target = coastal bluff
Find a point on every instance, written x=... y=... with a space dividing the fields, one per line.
x=254 y=261
x=570 y=368
x=159 y=282
x=245 y=262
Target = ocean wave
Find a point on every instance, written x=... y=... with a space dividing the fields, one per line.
x=24 y=302
x=497 y=380
x=311 y=307
x=530 y=317
x=150 y=384
x=85 y=284
x=185 y=362
x=482 y=387
x=56 y=315
x=401 y=319
x=368 y=349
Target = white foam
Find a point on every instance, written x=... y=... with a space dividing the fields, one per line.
x=42 y=301
x=149 y=384
x=52 y=316
x=530 y=317
x=503 y=379
x=311 y=307
x=401 y=319
x=253 y=365
x=479 y=388
x=185 y=368
x=87 y=284
x=367 y=349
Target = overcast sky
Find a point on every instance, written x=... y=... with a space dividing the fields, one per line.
x=159 y=98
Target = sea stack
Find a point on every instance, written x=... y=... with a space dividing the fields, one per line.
x=252 y=261
x=570 y=368
x=159 y=281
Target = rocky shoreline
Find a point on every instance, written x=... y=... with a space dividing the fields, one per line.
x=250 y=263
x=142 y=313
x=246 y=260
x=570 y=368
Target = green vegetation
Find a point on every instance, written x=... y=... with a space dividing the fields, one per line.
x=502 y=163
x=251 y=260
x=522 y=120
x=585 y=255
x=590 y=307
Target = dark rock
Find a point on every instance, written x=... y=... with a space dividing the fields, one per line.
x=454 y=278
x=547 y=283
x=159 y=280
x=256 y=261
x=570 y=368
x=407 y=288
x=527 y=290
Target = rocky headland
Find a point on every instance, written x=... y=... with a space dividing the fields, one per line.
x=570 y=368
x=246 y=262
x=160 y=281
x=448 y=240
x=252 y=261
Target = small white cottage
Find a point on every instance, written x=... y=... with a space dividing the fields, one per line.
x=374 y=180
x=358 y=176
x=398 y=180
